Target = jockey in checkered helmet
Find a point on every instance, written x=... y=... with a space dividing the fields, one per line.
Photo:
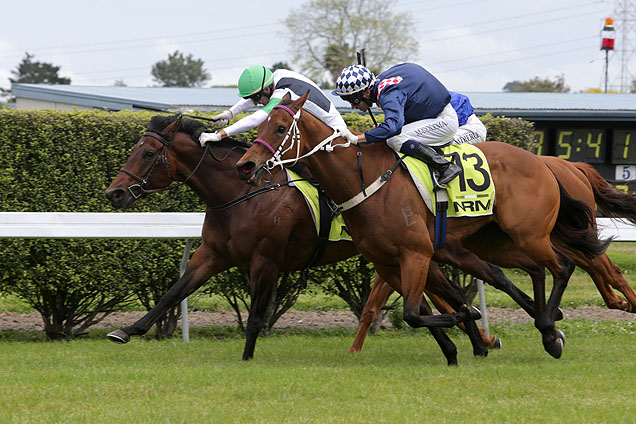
x=418 y=116
x=353 y=82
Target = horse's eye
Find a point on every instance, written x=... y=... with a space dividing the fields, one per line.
x=281 y=129
x=148 y=154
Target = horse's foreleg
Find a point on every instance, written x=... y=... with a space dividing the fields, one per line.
x=443 y=341
x=201 y=267
x=448 y=298
x=263 y=279
x=379 y=292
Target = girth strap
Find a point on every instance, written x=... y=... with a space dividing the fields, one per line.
x=327 y=211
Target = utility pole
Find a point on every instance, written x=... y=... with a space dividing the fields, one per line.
x=625 y=17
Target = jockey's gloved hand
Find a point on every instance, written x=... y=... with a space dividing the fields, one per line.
x=349 y=136
x=209 y=136
x=222 y=119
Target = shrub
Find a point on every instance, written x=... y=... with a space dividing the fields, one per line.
x=55 y=161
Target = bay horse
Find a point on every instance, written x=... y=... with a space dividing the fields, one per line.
x=584 y=183
x=273 y=233
x=401 y=251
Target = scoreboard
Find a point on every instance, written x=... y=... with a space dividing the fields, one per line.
x=609 y=147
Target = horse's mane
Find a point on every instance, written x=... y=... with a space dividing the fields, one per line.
x=192 y=128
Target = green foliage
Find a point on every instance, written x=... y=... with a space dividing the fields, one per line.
x=514 y=131
x=234 y=286
x=180 y=71
x=350 y=280
x=280 y=65
x=326 y=35
x=536 y=84
x=55 y=161
x=29 y=71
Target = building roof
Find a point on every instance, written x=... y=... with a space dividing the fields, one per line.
x=557 y=106
x=531 y=106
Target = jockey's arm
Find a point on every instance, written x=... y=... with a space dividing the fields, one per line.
x=249 y=122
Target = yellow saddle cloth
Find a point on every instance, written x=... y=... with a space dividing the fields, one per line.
x=471 y=193
x=338 y=231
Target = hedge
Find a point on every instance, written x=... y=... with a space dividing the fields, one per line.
x=54 y=161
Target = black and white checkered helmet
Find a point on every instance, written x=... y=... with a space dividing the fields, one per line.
x=353 y=79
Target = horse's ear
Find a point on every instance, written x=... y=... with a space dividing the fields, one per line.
x=175 y=126
x=286 y=99
x=298 y=104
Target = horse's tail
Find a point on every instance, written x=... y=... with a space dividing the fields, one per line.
x=575 y=226
x=612 y=202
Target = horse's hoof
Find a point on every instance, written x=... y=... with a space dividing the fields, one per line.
x=497 y=343
x=556 y=349
x=118 y=336
x=452 y=362
x=561 y=336
x=480 y=353
x=558 y=315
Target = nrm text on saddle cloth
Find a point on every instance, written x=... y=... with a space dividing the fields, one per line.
x=471 y=193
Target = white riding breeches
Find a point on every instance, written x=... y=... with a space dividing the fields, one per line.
x=438 y=131
x=473 y=131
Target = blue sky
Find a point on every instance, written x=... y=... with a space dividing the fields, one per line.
x=476 y=45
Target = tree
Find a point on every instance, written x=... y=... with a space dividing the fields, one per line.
x=32 y=72
x=325 y=35
x=280 y=65
x=537 y=84
x=180 y=71
x=633 y=87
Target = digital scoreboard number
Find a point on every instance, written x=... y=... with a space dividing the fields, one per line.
x=624 y=147
x=581 y=144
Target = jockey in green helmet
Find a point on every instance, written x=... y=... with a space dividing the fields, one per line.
x=259 y=86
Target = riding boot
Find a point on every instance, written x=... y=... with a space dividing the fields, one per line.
x=444 y=170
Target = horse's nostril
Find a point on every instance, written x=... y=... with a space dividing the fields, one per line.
x=245 y=169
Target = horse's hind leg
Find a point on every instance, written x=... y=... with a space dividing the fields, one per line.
x=606 y=276
x=201 y=267
x=546 y=312
x=379 y=292
x=263 y=279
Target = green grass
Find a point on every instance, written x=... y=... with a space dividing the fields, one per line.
x=307 y=377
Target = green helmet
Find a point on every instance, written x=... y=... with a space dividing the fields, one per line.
x=254 y=79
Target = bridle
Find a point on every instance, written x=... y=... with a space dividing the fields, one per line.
x=293 y=135
x=139 y=189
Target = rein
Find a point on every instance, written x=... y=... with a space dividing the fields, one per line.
x=251 y=194
x=136 y=190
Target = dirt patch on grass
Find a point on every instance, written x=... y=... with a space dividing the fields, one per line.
x=308 y=320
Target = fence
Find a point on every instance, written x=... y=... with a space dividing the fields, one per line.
x=182 y=226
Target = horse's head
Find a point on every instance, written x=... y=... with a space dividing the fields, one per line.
x=149 y=168
x=278 y=139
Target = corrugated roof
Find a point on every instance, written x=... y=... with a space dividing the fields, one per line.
x=543 y=106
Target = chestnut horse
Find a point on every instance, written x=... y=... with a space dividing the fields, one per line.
x=271 y=234
x=584 y=183
x=401 y=251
